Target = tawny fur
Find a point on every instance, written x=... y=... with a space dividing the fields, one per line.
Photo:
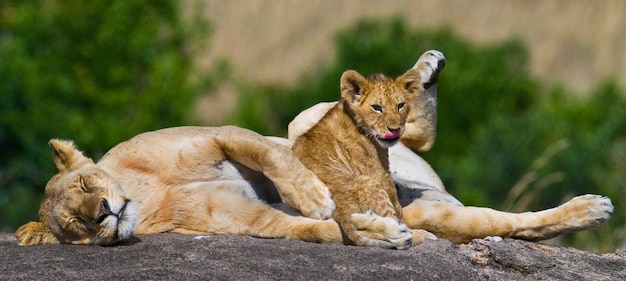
x=184 y=180
x=347 y=148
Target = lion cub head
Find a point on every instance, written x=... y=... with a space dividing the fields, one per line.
x=83 y=204
x=378 y=104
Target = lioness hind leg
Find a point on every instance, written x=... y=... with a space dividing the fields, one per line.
x=384 y=232
x=462 y=224
x=581 y=212
x=429 y=65
x=421 y=125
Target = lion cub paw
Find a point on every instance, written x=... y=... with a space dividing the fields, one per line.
x=586 y=211
x=384 y=232
x=429 y=65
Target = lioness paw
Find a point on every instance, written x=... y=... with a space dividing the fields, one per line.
x=586 y=211
x=419 y=235
x=35 y=233
x=429 y=65
x=315 y=200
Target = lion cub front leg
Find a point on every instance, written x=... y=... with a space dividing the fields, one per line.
x=369 y=213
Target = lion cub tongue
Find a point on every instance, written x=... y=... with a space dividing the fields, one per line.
x=391 y=135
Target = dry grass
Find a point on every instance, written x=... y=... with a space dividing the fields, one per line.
x=529 y=186
x=574 y=42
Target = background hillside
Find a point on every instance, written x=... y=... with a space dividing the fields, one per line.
x=576 y=43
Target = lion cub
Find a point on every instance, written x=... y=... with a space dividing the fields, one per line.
x=347 y=149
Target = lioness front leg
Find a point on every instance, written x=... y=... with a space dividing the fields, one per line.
x=461 y=224
x=226 y=211
x=297 y=186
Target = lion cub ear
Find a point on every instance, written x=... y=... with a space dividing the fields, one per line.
x=410 y=81
x=352 y=84
x=35 y=233
x=66 y=156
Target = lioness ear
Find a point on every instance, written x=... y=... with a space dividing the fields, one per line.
x=35 y=233
x=351 y=85
x=66 y=155
x=410 y=81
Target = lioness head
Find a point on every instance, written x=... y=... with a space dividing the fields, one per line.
x=83 y=204
x=378 y=104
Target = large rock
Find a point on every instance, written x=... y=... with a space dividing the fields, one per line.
x=219 y=257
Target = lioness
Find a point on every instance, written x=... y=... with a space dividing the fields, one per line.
x=347 y=150
x=200 y=180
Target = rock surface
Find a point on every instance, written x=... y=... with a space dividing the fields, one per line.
x=231 y=257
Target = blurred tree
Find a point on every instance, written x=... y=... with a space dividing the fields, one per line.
x=388 y=46
x=97 y=72
x=496 y=130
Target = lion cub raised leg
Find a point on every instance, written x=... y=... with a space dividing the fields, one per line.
x=347 y=150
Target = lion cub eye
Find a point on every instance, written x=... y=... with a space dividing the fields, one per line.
x=400 y=106
x=377 y=108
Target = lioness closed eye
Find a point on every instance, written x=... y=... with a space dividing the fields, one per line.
x=347 y=149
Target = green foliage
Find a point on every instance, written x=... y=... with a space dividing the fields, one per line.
x=97 y=72
x=497 y=129
x=590 y=136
